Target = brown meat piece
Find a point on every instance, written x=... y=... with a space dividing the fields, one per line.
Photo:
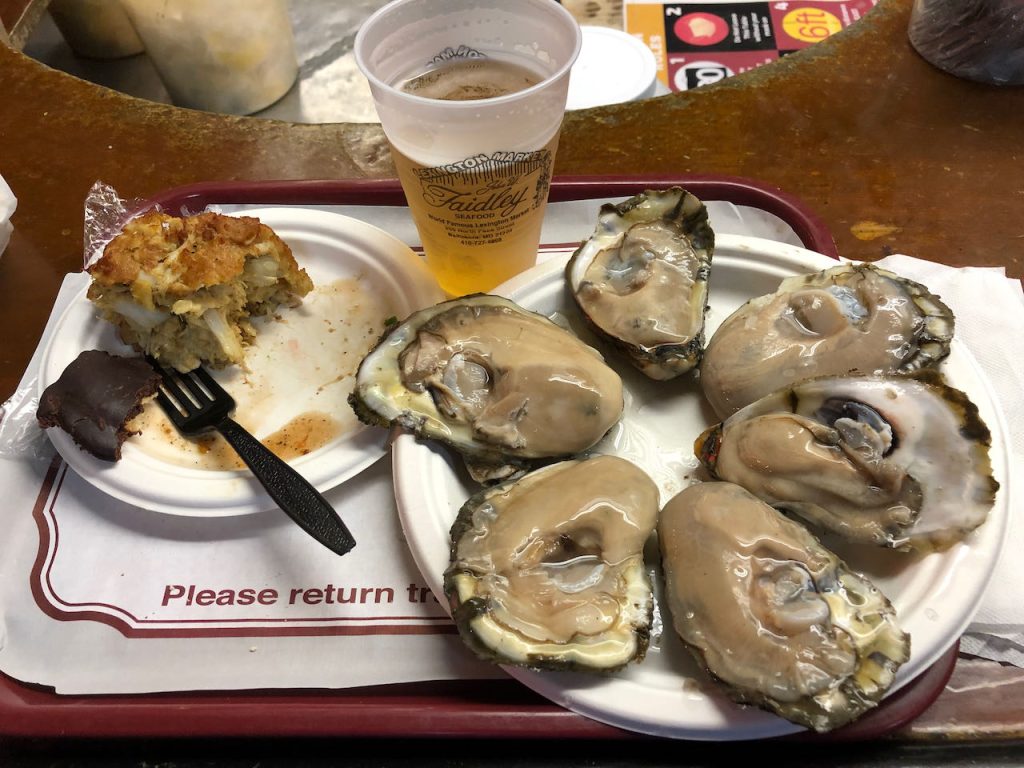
x=95 y=397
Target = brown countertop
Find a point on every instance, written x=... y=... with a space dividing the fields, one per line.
x=893 y=154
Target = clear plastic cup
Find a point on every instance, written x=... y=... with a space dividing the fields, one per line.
x=475 y=166
x=234 y=57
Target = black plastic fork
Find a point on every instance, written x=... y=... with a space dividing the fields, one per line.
x=195 y=403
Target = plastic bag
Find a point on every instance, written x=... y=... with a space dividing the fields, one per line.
x=8 y=204
x=105 y=216
x=20 y=433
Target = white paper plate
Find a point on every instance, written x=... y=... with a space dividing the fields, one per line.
x=666 y=695
x=299 y=364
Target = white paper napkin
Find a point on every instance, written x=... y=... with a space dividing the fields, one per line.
x=8 y=203
x=989 y=310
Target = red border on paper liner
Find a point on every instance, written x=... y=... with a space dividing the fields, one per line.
x=127 y=624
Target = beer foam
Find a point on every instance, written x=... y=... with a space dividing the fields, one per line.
x=470 y=79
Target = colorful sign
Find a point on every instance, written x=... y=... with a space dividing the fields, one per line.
x=698 y=43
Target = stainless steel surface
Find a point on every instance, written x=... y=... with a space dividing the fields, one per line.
x=329 y=88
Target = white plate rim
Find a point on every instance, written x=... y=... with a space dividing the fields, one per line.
x=604 y=701
x=226 y=493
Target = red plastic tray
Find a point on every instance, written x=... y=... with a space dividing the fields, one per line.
x=808 y=227
x=460 y=709
x=463 y=709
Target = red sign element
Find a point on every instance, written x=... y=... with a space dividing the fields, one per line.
x=700 y=28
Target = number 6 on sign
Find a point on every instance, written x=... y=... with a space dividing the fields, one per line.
x=810 y=25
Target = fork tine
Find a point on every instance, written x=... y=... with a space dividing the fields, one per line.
x=200 y=396
x=214 y=389
x=209 y=382
x=174 y=393
x=170 y=407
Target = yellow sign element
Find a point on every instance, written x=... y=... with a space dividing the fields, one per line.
x=810 y=25
x=647 y=22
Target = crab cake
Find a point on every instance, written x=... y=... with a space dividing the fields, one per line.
x=184 y=289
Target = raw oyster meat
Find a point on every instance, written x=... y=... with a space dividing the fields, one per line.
x=854 y=318
x=641 y=280
x=897 y=461
x=547 y=571
x=771 y=613
x=499 y=384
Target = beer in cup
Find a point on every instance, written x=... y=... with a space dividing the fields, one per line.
x=471 y=94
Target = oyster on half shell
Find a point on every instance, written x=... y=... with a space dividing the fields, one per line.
x=641 y=280
x=853 y=318
x=548 y=571
x=773 y=615
x=498 y=383
x=899 y=461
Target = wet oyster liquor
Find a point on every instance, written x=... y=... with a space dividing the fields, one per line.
x=472 y=113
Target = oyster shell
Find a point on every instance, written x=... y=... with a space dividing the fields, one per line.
x=854 y=318
x=499 y=384
x=547 y=571
x=641 y=280
x=898 y=461
x=771 y=613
